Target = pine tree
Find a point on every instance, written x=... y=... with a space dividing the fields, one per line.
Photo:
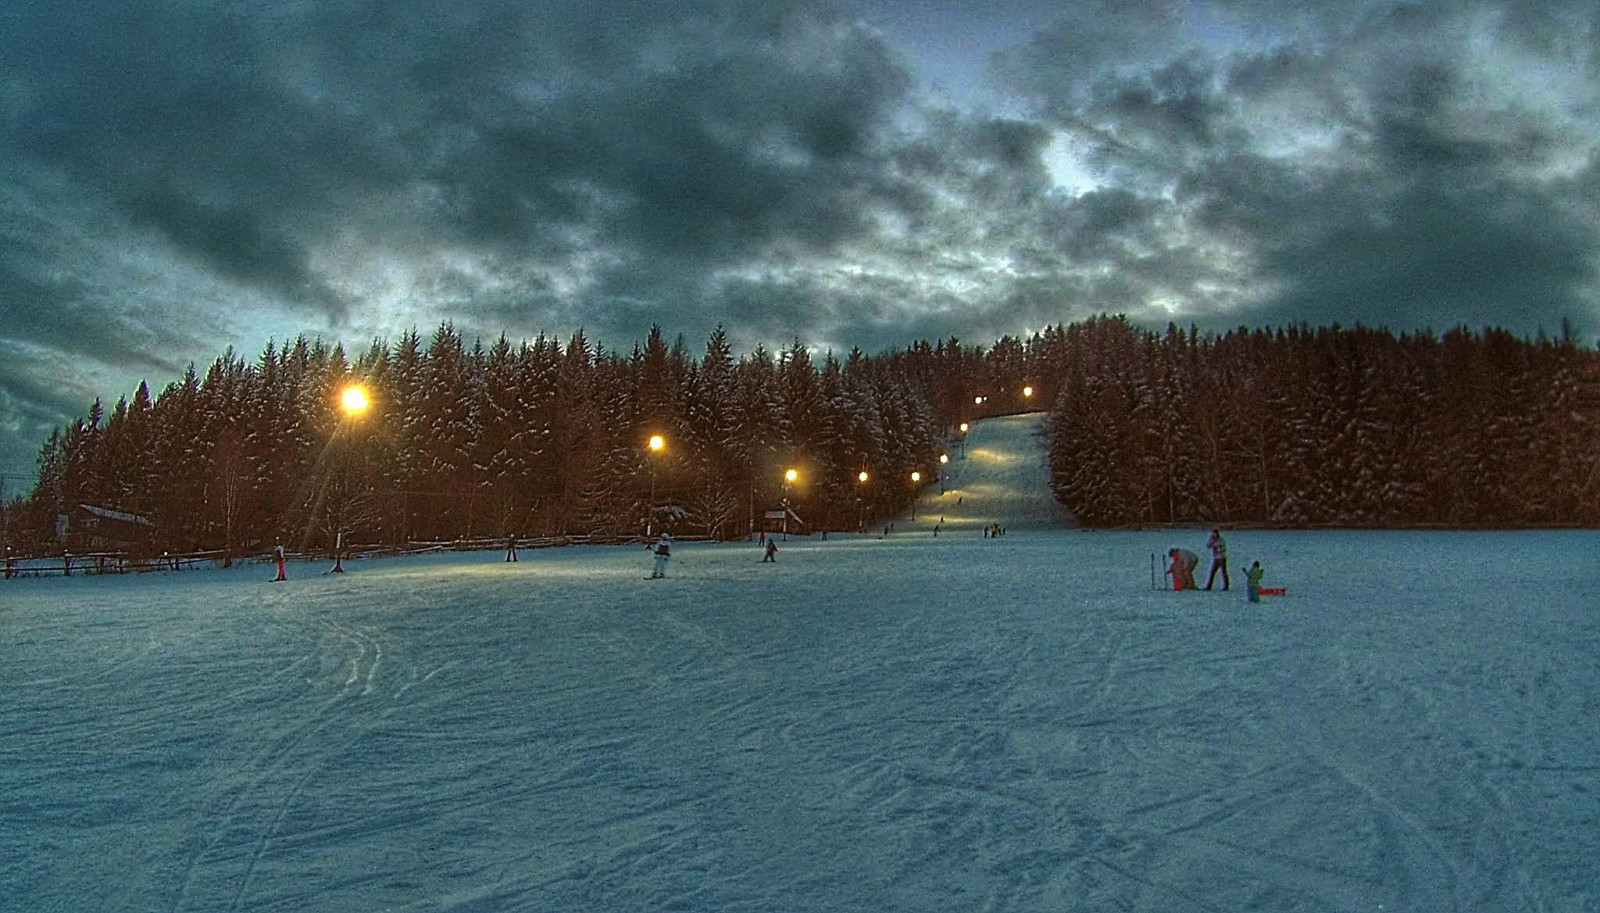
x=180 y=457
x=575 y=437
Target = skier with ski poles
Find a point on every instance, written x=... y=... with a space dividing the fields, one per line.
x=663 y=553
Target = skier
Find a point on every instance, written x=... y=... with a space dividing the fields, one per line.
x=772 y=553
x=1182 y=568
x=1252 y=581
x=278 y=553
x=511 y=547
x=1219 y=559
x=663 y=553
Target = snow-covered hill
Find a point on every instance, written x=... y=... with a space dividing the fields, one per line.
x=999 y=475
x=897 y=725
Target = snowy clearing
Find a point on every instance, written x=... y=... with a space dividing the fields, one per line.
x=910 y=723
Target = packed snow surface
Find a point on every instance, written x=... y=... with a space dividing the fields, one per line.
x=870 y=723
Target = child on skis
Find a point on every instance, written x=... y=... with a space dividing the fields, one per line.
x=1252 y=579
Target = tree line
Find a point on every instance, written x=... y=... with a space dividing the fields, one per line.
x=464 y=441
x=1293 y=427
x=1325 y=427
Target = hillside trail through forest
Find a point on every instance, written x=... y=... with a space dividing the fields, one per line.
x=1000 y=474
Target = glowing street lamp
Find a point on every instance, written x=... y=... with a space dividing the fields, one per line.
x=861 y=520
x=944 y=459
x=916 y=479
x=790 y=476
x=1027 y=391
x=656 y=444
x=354 y=400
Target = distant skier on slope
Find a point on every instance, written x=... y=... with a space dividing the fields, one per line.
x=278 y=555
x=772 y=553
x=1181 y=570
x=663 y=553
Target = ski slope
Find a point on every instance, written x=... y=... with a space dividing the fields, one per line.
x=997 y=475
x=906 y=723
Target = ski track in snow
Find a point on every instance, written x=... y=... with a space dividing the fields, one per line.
x=901 y=723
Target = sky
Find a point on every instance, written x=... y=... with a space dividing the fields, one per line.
x=180 y=177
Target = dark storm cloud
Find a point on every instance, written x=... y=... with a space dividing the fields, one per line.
x=693 y=135
x=183 y=119
x=68 y=315
x=1438 y=231
x=1357 y=167
x=238 y=244
x=1174 y=106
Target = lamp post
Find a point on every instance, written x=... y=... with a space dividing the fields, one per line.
x=790 y=476
x=861 y=520
x=944 y=459
x=962 y=440
x=354 y=402
x=656 y=444
x=916 y=479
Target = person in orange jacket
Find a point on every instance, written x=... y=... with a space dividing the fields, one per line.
x=1181 y=570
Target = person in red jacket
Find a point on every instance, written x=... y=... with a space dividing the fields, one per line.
x=1181 y=570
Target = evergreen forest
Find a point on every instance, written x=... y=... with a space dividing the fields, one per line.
x=1288 y=427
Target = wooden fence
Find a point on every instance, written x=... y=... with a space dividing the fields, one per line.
x=94 y=563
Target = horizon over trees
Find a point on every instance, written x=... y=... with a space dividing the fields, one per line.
x=1292 y=426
